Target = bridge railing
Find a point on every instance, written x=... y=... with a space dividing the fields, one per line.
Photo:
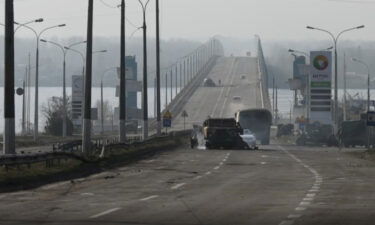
x=263 y=73
x=181 y=78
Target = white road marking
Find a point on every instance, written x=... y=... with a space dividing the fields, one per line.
x=217 y=167
x=177 y=186
x=105 y=213
x=263 y=163
x=87 y=194
x=304 y=203
x=294 y=216
x=149 y=198
x=197 y=177
x=300 y=208
x=287 y=222
x=315 y=188
x=208 y=173
x=221 y=163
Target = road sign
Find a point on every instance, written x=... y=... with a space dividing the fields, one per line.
x=184 y=114
x=20 y=91
x=167 y=119
x=167 y=122
x=167 y=115
x=371 y=119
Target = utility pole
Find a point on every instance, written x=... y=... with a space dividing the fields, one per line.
x=176 y=80
x=171 y=84
x=122 y=97
x=24 y=103
x=145 y=85
x=166 y=90
x=344 y=107
x=273 y=95
x=9 y=131
x=102 y=107
x=86 y=134
x=158 y=98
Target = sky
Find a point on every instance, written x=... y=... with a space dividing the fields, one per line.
x=201 y=19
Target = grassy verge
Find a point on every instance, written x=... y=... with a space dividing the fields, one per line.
x=22 y=178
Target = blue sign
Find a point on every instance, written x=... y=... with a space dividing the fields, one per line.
x=167 y=122
x=371 y=119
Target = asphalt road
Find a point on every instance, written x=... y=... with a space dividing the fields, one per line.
x=275 y=185
x=278 y=185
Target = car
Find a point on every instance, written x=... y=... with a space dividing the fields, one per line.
x=208 y=82
x=249 y=138
x=237 y=98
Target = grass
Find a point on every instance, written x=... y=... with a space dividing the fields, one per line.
x=21 y=178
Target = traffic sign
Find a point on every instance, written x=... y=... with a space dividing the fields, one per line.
x=20 y=91
x=184 y=114
x=167 y=122
x=371 y=119
x=167 y=115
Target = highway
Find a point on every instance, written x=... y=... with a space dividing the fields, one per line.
x=279 y=184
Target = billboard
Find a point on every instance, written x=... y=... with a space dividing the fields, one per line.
x=321 y=87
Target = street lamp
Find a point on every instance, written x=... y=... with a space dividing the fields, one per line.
x=64 y=51
x=36 y=108
x=368 y=94
x=145 y=86
x=335 y=40
x=368 y=80
x=102 y=97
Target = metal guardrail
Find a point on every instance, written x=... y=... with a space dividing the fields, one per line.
x=263 y=72
x=72 y=150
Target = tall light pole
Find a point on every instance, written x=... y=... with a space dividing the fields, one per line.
x=86 y=132
x=9 y=111
x=145 y=86
x=158 y=98
x=82 y=57
x=335 y=41
x=368 y=94
x=368 y=80
x=65 y=116
x=102 y=98
x=122 y=97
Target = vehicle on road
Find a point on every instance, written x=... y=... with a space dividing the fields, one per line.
x=223 y=133
x=249 y=138
x=259 y=121
x=208 y=82
x=317 y=134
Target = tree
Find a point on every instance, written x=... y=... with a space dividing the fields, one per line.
x=53 y=112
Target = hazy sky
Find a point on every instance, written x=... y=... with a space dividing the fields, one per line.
x=200 y=19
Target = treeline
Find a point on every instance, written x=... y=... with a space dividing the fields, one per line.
x=51 y=58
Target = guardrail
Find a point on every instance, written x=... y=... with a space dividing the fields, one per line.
x=72 y=150
x=263 y=73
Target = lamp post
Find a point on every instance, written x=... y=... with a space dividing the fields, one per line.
x=9 y=111
x=122 y=97
x=86 y=131
x=368 y=80
x=64 y=51
x=145 y=86
x=158 y=98
x=335 y=41
x=102 y=97
x=368 y=94
x=36 y=108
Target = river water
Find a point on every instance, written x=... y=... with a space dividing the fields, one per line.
x=284 y=96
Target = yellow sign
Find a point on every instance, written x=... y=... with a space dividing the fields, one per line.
x=167 y=115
